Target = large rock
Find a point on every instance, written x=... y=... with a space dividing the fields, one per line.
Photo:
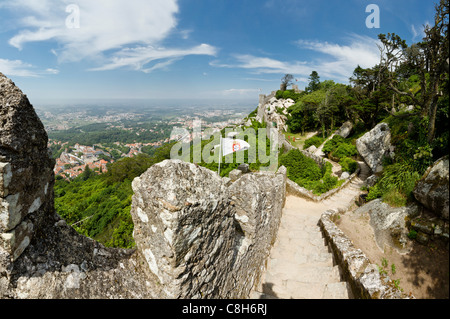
x=432 y=190
x=26 y=171
x=389 y=223
x=374 y=146
x=345 y=129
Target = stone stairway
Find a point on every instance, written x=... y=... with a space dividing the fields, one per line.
x=300 y=265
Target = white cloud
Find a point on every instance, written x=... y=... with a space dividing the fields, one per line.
x=138 y=57
x=362 y=51
x=337 y=61
x=263 y=65
x=114 y=31
x=16 y=68
x=20 y=68
x=418 y=32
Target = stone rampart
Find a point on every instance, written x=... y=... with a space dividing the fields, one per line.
x=200 y=237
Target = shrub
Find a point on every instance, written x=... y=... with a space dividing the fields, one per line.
x=305 y=172
x=348 y=165
x=315 y=140
x=412 y=234
x=345 y=150
x=396 y=185
x=300 y=167
x=279 y=95
x=333 y=144
x=288 y=94
x=374 y=193
x=338 y=147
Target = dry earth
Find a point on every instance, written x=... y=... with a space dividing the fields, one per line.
x=424 y=271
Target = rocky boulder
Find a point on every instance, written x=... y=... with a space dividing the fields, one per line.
x=389 y=223
x=432 y=190
x=26 y=171
x=375 y=145
x=345 y=129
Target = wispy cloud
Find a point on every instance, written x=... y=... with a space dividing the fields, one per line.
x=418 y=32
x=23 y=69
x=336 y=60
x=138 y=57
x=339 y=60
x=111 y=33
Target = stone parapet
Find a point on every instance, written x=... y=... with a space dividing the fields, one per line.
x=200 y=237
x=364 y=277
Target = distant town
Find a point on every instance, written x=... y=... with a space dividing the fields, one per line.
x=72 y=156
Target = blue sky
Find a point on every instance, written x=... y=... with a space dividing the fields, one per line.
x=191 y=49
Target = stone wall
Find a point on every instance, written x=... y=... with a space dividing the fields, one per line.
x=200 y=237
x=363 y=277
x=26 y=173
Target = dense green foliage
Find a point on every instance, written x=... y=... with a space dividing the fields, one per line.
x=348 y=165
x=315 y=140
x=305 y=172
x=98 y=206
x=396 y=184
x=338 y=148
x=288 y=94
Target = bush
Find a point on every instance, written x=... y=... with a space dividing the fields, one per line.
x=345 y=150
x=412 y=234
x=333 y=144
x=348 y=165
x=315 y=140
x=288 y=94
x=310 y=176
x=300 y=167
x=339 y=148
x=396 y=185
x=395 y=198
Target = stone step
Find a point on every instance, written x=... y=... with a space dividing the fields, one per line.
x=337 y=290
x=307 y=273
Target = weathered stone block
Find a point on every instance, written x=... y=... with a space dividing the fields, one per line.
x=374 y=146
x=5 y=178
x=235 y=175
x=15 y=241
x=200 y=237
x=432 y=190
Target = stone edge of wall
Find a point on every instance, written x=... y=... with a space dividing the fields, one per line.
x=294 y=189
x=363 y=276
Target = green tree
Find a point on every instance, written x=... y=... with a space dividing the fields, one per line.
x=428 y=58
x=87 y=173
x=314 y=82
